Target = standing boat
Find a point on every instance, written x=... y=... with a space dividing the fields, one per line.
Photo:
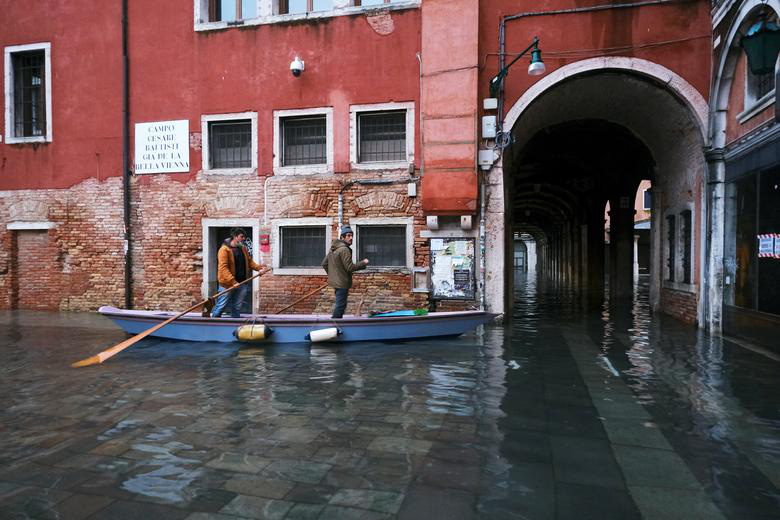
x=297 y=328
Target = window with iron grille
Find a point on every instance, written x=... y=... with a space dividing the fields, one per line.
x=29 y=93
x=304 y=6
x=302 y=246
x=231 y=10
x=382 y=136
x=230 y=144
x=671 y=245
x=384 y=246
x=303 y=140
x=687 y=237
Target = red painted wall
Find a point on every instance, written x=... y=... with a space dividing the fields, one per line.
x=566 y=38
x=86 y=49
x=178 y=73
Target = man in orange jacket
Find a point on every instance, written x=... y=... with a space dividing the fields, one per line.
x=233 y=268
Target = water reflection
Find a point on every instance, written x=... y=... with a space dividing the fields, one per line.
x=546 y=416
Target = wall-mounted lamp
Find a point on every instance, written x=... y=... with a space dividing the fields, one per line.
x=534 y=69
x=762 y=44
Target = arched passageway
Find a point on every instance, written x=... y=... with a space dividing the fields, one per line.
x=588 y=136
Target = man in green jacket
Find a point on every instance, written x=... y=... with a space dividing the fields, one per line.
x=339 y=266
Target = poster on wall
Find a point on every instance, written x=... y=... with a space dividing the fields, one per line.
x=452 y=268
x=766 y=245
x=162 y=147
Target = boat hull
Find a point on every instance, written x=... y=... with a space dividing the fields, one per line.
x=296 y=328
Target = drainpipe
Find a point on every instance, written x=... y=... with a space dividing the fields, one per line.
x=420 y=107
x=126 y=160
x=482 y=237
x=341 y=207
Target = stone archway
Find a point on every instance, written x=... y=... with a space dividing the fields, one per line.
x=647 y=103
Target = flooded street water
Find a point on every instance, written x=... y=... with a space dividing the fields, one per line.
x=561 y=413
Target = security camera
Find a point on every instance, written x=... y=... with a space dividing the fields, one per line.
x=296 y=66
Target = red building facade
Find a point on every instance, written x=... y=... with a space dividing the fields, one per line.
x=381 y=130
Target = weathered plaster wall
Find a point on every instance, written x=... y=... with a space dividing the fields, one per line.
x=450 y=71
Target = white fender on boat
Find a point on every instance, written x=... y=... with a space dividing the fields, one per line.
x=323 y=334
x=251 y=333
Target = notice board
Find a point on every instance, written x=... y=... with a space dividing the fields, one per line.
x=452 y=268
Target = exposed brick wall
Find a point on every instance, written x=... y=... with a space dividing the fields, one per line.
x=79 y=260
x=38 y=278
x=680 y=304
x=83 y=253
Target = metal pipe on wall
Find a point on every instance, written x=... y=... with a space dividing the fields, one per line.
x=126 y=161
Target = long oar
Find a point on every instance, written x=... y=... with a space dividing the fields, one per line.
x=299 y=300
x=102 y=356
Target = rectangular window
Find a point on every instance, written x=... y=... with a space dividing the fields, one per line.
x=648 y=200
x=384 y=246
x=231 y=10
x=687 y=236
x=302 y=246
x=303 y=141
x=304 y=6
x=373 y=2
x=671 y=245
x=29 y=93
x=382 y=136
x=230 y=144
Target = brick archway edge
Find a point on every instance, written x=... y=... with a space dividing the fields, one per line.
x=681 y=89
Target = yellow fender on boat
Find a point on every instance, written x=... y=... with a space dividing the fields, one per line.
x=323 y=334
x=252 y=333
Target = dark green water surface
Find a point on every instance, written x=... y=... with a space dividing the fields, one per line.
x=561 y=413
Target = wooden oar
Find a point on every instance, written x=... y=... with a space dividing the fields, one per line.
x=299 y=300
x=102 y=356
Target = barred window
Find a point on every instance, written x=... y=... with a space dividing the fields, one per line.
x=672 y=245
x=304 y=6
x=302 y=246
x=29 y=94
x=687 y=237
x=384 y=246
x=231 y=10
x=648 y=200
x=303 y=140
x=382 y=136
x=230 y=144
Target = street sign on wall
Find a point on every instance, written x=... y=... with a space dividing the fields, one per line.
x=162 y=147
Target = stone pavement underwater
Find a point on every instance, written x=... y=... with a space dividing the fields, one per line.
x=561 y=413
